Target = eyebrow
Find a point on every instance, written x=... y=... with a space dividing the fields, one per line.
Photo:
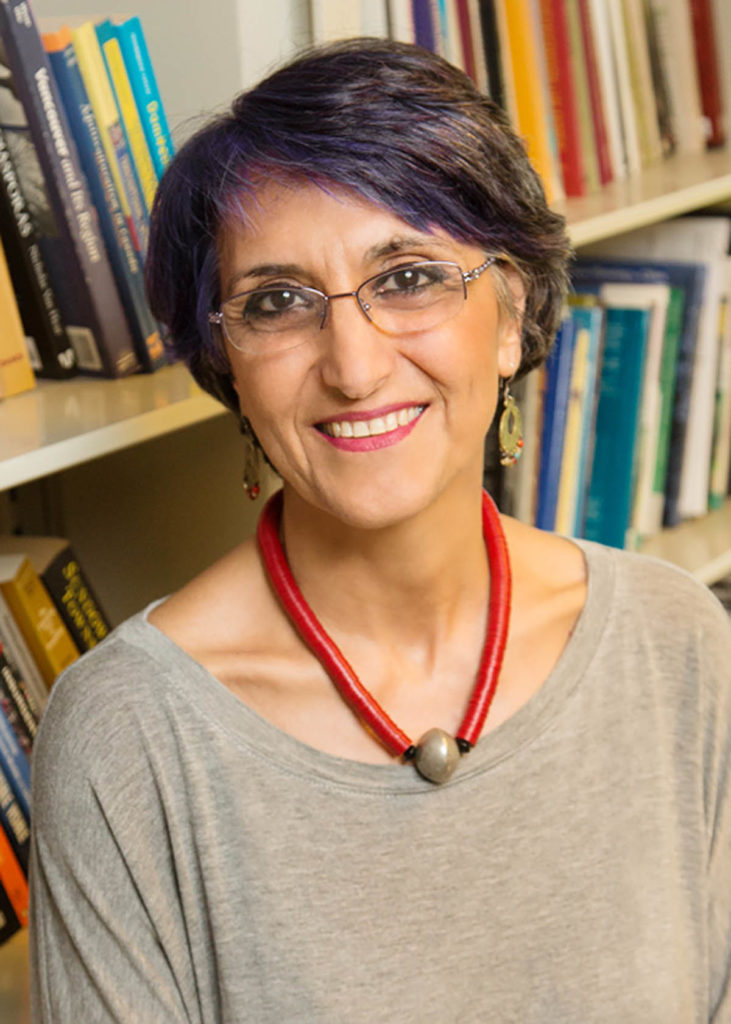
x=395 y=245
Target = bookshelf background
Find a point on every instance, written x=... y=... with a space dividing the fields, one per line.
x=150 y=461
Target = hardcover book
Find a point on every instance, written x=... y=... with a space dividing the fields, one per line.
x=74 y=251
x=18 y=654
x=557 y=382
x=16 y=372
x=13 y=823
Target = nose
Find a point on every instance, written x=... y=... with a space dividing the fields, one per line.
x=355 y=357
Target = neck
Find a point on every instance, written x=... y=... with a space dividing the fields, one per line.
x=414 y=577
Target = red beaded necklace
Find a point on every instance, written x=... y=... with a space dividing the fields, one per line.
x=437 y=753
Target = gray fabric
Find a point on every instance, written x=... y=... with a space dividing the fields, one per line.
x=193 y=863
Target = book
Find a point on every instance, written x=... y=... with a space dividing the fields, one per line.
x=9 y=923
x=648 y=504
x=673 y=32
x=625 y=94
x=525 y=472
x=74 y=253
x=687 y=281
x=15 y=765
x=596 y=97
x=709 y=75
x=120 y=247
x=659 y=71
x=588 y=317
x=13 y=880
x=14 y=823
x=401 y=21
x=562 y=91
x=50 y=351
x=37 y=617
x=18 y=654
x=129 y=116
x=99 y=91
x=466 y=40
x=578 y=58
x=147 y=94
x=645 y=105
x=423 y=24
x=557 y=381
x=16 y=372
x=533 y=118
x=68 y=585
x=608 y=86
x=609 y=501
x=17 y=706
x=719 y=481
x=703 y=240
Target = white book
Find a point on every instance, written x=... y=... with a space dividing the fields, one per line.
x=332 y=19
x=401 y=21
x=702 y=240
x=608 y=85
x=373 y=18
x=620 y=57
x=677 y=51
x=638 y=54
x=648 y=504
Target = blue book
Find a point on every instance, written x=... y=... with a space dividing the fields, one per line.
x=15 y=764
x=146 y=93
x=611 y=486
x=588 y=276
x=591 y=319
x=117 y=239
x=423 y=24
x=555 y=403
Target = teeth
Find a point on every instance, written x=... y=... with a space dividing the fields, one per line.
x=371 y=428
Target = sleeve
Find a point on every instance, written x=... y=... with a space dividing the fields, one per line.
x=716 y=654
x=103 y=946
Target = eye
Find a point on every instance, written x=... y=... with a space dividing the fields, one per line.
x=273 y=302
x=413 y=277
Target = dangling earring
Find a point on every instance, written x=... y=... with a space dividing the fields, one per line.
x=510 y=429
x=252 y=461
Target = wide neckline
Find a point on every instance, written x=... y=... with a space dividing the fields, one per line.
x=186 y=679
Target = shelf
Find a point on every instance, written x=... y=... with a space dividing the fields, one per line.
x=668 y=188
x=700 y=546
x=61 y=424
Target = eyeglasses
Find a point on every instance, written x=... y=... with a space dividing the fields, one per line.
x=407 y=299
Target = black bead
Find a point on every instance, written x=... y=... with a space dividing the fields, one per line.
x=409 y=753
x=464 y=745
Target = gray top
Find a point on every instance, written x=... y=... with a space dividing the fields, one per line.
x=193 y=863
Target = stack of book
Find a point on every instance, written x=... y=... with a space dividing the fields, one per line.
x=83 y=142
x=597 y=88
x=49 y=615
x=628 y=426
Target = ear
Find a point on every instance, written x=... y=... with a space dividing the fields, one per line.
x=510 y=349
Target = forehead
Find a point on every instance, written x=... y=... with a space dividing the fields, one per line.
x=279 y=220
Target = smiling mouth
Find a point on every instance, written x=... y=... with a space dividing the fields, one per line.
x=372 y=427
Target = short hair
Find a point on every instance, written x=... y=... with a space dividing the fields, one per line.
x=391 y=122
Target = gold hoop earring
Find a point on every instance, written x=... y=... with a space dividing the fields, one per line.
x=510 y=429
x=252 y=461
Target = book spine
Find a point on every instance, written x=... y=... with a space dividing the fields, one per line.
x=16 y=372
x=708 y=71
x=423 y=25
x=78 y=605
x=17 y=706
x=13 y=880
x=14 y=823
x=39 y=622
x=129 y=117
x=121 y=250
x=9 y=923
x=52 y=354
x=596 y=101
x=555 y=401
x=465 y=34
x=19 y=656
x=16 y=766
x=85 y=288
x=563 y=95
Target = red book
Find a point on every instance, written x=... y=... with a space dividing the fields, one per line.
x=595 y=95
x=13 y=880
x=709 y=76
x=563 y=95
x=465 y=32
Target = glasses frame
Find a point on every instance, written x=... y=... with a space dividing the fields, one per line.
x=217 y=317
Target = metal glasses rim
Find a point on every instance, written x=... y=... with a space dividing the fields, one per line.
x=216 y=317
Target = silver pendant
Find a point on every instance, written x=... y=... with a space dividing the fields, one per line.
x=437 y=755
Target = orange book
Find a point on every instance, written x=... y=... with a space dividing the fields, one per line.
x=16 y=374
x=530 y=88
x=13 y=880
x=35 y=613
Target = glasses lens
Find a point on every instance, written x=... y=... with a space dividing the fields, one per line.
x=414 y=297
x=271 y=316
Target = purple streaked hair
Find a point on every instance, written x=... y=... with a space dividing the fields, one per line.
x=393 y=123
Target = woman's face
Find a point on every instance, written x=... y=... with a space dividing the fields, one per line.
x=422 y=401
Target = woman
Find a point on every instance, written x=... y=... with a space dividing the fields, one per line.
x=236 y=818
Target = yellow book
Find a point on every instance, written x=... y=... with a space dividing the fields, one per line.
x=534 y=117
x=36 y=616
x=94 y=73
x=16 y=373
x=128 y=111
